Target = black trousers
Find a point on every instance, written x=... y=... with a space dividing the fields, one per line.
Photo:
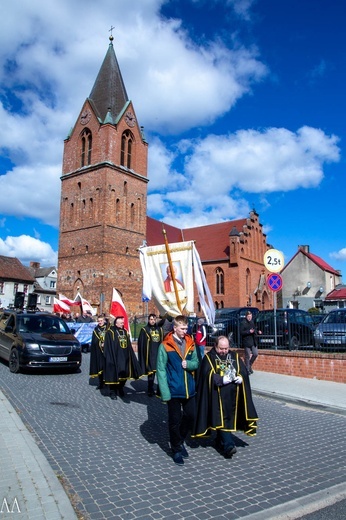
x=181 y=416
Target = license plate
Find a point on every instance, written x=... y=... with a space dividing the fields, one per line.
x=265 y=340
x=57 y=359
x=334 y=341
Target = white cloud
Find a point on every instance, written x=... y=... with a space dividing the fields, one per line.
x=339 y=255
x=48 y=71
x=220 y=169
x=27 y=249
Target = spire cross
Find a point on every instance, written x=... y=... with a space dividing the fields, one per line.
x=111 y=30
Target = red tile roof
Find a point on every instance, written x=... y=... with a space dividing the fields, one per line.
x=212 y=241
x=317 y=260
x=12 y=269
x=337 y=294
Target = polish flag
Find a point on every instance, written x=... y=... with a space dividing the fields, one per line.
x=67 y=301
x=60 y=306
x=87 y=307
x=118 y=309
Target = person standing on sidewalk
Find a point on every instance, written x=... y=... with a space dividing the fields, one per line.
x=176 y=362
x=248 y=334
x=224 y=402
x=149 y=340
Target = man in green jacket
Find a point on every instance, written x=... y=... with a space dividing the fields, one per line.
x=176 y=363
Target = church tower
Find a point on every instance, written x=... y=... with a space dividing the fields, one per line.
x=104 y=196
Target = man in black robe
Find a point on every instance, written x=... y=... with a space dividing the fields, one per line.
x=120 y=360
x=149 y=340
x=97 y=359
x=224 y=400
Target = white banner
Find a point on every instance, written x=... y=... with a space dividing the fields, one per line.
x=158 y=282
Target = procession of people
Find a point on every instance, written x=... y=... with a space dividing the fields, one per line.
x=208 y=394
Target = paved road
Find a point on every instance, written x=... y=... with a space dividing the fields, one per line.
x=114 y=455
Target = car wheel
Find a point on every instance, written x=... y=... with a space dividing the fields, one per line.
x=13 y=362
x=294 y=343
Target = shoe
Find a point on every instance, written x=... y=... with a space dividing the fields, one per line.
x=121 y=392
x=184 y=452
x=178 y=458
x=113 y=396
x=230 y=452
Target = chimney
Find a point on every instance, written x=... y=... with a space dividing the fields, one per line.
x=306 y=249
x=35 y=265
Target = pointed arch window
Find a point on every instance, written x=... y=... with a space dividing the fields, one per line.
x=86 y=138
x=220 y=281
x=126 y=149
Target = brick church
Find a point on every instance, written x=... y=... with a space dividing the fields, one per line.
x=103 y=213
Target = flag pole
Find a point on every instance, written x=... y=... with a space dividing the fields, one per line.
x=172 y=270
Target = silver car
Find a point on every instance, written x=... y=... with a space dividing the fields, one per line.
x=331 y=332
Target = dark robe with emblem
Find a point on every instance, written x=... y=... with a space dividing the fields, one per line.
x=120 y=360
x=225 y=407
x=97 y=359
x=149 y=340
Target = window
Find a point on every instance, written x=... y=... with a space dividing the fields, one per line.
x=126 y=149
x=86 y=147
x=52 y=284
x=47 y=301
x=15 y=288
x=25 y=289
x=220 y=289
x=2 y=287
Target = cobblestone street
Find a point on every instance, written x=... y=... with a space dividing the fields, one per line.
x=114 y=455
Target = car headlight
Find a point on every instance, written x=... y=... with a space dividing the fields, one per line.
x=318 y=334
x=32 y=346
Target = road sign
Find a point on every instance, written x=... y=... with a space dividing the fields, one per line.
x=274 y=282
x=274 y=260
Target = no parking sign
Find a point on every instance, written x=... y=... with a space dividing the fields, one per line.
x=274 y=282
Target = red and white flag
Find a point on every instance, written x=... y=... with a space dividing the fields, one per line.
x=67 y=301
x=60 y=306
x=117 y=308
x=86 y=307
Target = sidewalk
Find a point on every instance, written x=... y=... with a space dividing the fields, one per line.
x=312 y=392
x=30 y=488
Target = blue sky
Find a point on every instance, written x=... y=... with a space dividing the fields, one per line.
x=242 y=102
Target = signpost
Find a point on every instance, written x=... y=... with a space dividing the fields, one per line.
x=274 y=262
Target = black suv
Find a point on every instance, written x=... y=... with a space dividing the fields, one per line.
x=294 y=328
x=227 y=323
x=37 y=340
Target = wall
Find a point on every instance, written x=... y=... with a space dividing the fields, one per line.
x=312 y=365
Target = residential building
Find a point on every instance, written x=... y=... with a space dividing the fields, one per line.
x=45 y=285
x=15 y=280
x=307 y=279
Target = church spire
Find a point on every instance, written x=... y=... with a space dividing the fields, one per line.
x=108 y=95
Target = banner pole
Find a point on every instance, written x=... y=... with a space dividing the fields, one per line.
x=172 y=270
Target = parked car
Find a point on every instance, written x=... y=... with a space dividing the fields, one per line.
x=37 y=340
x=294 y=328
x=331 y=332
x=227 y=323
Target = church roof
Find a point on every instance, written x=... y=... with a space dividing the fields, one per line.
x=212 y=241
x=108 y=93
